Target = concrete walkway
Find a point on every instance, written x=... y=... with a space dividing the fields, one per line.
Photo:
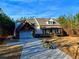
x=35 y=50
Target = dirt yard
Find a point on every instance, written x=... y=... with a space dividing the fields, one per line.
x=10 y=52
x=69 y=45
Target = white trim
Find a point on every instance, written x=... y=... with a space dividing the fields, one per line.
x=38 y=25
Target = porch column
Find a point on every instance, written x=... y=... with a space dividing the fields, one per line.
x=56 y=31
x=43 y=31
x=60 y=31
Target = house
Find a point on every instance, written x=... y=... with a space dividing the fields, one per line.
x=46 y=27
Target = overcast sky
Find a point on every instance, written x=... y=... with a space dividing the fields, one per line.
x=39 y=8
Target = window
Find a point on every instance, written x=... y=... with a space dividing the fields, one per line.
x=51 y=22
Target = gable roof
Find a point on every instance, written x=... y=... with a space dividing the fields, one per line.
x=42 y=21
x=19 y=25
x=46 y=21
x=23 y=25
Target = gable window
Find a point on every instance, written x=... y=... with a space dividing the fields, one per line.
x=51 y=22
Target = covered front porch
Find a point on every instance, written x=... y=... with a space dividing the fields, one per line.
x=52 y=31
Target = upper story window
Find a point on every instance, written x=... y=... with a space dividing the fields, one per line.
x=54 y=22
x=51 y=22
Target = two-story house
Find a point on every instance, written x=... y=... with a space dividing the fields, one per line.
x=46 y=27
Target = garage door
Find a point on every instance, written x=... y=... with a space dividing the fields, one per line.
x=25 y=35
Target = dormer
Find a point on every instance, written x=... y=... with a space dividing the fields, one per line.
x=51 y=22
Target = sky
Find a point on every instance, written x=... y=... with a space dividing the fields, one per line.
x=39 y=8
